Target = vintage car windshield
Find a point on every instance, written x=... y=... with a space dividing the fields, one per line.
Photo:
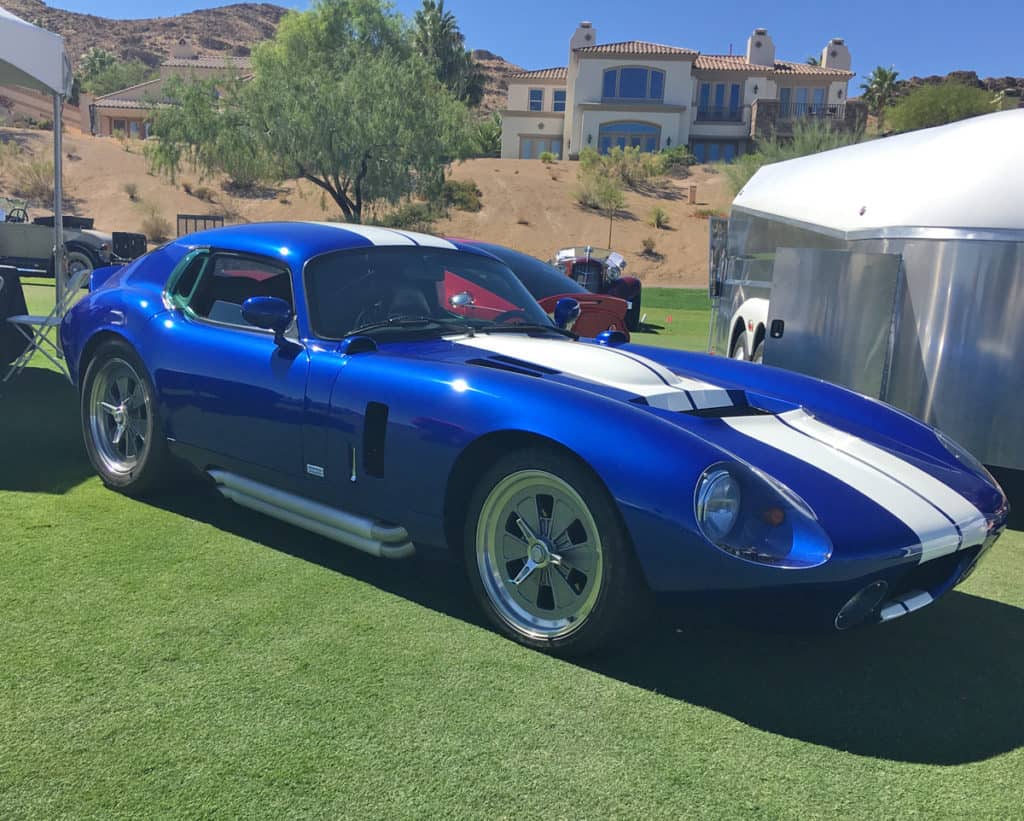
x=388 y=288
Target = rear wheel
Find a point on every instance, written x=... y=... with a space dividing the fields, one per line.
x=739 y=349
x=123 y=435
x=548 y=557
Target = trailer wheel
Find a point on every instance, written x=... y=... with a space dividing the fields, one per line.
x=758 y=356
x=739 y=348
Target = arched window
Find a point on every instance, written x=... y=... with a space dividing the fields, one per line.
x=633 y=83
x=645 y=136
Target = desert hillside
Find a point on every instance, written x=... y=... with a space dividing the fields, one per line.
x=226 y=30
x=230 y=30
x=526 y=204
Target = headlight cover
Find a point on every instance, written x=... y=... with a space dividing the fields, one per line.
x=752 y=516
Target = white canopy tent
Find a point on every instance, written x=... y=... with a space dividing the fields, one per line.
x=35 y=58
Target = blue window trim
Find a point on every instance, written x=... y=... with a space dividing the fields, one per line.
x=611 y=84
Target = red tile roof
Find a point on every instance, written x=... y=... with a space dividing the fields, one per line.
x=541 y=74
x=730 y=62
x=638 y=48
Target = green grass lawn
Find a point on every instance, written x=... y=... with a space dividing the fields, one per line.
x=185 y=658
x=675 y=318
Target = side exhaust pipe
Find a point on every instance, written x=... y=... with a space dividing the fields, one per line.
x=373 y=537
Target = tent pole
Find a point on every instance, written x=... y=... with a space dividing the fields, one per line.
x=58 y=200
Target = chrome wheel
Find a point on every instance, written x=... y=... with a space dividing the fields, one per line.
x=120 y=417
x=539 y=554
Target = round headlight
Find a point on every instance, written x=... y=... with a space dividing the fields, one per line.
x=717 y=503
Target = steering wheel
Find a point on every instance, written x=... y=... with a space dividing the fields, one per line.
x=515 y=314
x=17 y=215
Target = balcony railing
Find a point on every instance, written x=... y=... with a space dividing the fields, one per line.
x=826 y=111
x=719 y=114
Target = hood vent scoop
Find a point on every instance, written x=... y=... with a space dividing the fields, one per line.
x=512 y=365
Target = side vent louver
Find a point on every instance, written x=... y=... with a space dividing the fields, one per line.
x=512 y=365
x=374 y=434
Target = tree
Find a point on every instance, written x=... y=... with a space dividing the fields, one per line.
x=813 y=61
x=932 y=105
x=437 y=38
x=115 y=76
x=487 y=136
x=94 y=61
x=879 y=90
x=610 y=200
x=338 y=97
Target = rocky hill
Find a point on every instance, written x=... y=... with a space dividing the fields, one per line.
x=227 y=30
x=1012 y=86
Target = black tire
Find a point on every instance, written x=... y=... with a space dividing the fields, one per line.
x=619 y=599
x=739 y=345
x=141 y=429
x=758 y=355
x=82 y=256
x=633 y=316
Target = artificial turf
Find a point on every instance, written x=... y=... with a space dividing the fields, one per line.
x=185 y=658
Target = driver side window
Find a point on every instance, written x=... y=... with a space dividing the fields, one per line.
x=215 y=286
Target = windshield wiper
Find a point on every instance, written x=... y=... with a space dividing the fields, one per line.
x=525 y=328
x=396 y=322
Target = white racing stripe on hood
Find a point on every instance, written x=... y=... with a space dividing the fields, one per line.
x=968 y=518
x=606 y=366
x=890 y=483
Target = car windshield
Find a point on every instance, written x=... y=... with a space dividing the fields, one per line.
x=416 y=290
x=542 y=280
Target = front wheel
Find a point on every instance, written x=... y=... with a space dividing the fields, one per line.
x=633 y=315
x=548 y=558
x=123 y=435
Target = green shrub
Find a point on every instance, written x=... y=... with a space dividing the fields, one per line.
x=808 y=138
x=677 y=160
x=203 y=193
x=547 y=157
x=132 y=190
x=705 y=213
x=658 y=218
x=932 y=105
x=413 y=216
x=463 y=195
x=649 y=247
x=629 y=166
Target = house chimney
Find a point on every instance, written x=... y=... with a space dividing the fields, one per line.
x=836 y=55
x=760 y=48
x=182 y=50
x=586 y=35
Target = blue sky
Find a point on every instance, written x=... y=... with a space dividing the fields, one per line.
x=922 y=38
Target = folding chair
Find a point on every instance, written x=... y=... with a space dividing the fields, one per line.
x=38 y=329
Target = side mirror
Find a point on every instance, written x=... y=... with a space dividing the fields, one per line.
x=269 y=313
x=463 y=299
x=567 y=311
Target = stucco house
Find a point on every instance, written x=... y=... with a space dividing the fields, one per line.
x=127 y=111
x=656 y=96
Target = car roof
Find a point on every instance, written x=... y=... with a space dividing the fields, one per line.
x=302 y=240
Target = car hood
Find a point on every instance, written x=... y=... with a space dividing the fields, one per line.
x=597 y=367
x=881 y=483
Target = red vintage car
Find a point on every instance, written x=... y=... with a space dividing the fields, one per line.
x=599 y=270
x=598 y=312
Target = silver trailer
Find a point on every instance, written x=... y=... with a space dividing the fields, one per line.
x=894 y=267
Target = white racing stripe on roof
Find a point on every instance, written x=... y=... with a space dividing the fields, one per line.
x=935 y=532
x=389 y=236
x=968 y=518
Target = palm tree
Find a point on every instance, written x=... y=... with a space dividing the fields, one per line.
x=437 y=37
x=879 y=90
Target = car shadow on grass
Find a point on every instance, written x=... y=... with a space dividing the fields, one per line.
x=942 y=687
x=41 y=448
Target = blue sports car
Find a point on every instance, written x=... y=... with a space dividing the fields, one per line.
x=318 y=373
